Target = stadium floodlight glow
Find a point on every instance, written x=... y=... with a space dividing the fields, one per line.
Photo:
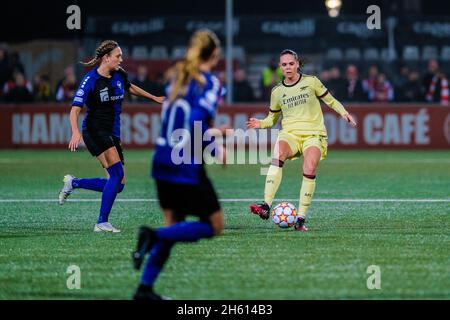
x=333 y=13
x=333 y=7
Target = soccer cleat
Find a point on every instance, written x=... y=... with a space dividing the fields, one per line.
x=105 y=227
x=300 y=225
x=144 y=292
x=146 y=239
x=263 y=210
x=67 y=188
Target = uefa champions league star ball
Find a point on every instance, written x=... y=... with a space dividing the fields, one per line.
x=284 y=215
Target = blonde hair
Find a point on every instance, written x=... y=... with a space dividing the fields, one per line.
x=201 y=48
x=105 y=48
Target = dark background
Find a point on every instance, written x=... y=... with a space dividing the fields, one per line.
x=21 y=21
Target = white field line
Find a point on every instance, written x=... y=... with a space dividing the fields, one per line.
x=237 y=200
x=327 y=161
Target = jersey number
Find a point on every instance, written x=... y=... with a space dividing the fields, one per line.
x=174 y=136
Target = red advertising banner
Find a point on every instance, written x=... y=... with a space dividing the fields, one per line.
x=387 y=126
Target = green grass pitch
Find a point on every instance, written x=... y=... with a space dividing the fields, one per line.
x=408 y=240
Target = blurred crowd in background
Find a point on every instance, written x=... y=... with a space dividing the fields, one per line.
x=348 y=83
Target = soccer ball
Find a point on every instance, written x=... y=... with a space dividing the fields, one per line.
x=284 y=215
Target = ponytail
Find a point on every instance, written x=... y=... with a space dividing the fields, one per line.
x=105 y=48
x=202 y=45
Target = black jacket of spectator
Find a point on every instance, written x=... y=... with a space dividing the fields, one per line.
x=354 y=91
x=243 y=92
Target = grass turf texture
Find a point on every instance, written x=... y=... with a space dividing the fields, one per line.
x=409 y=241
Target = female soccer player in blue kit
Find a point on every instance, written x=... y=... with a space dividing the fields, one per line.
x=193 y=93
x=102 y=90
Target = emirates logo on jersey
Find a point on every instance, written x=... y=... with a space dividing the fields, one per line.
x=104 y=95
x=296 y=100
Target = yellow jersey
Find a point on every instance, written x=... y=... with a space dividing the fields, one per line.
x=300 y=105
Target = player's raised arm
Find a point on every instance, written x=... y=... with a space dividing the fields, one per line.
x=136 y=91
x=324 y=95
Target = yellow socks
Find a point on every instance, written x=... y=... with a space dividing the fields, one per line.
x=306 y=193
x=273 y=180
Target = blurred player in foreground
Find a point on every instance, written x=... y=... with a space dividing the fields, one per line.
x=303 y=132
x=102 y=90
x=183 y=187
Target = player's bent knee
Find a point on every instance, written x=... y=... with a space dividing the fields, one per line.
x=117 y=171
x=309 y=171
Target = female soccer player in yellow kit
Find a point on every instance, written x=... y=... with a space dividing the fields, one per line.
x=303 y=132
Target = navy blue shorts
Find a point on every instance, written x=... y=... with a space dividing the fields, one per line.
x=183 y=199
x=97 y=143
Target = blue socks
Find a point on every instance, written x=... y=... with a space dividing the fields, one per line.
x=94 y=184
x=167 y=236
x=158 y=257
x=186 y=232
x=110 y=190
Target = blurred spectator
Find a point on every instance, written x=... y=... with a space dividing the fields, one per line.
x=18 y=90
x=382 y=90
x=370 y=81
x=41 y=88
x=438 y=90
x=353 y=85
x=242 y=91
x=336 y=84
x=5 y=71
x=143 y=82
x=412 y=90
x=222 y=76
x=67 y=86
x=157 y=85
x=325 y=76
x=271 y=76
x=400 y=84
x=15 y=64
x=436 y=84
x=432 y=70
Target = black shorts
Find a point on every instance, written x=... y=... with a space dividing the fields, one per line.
x=183 y=199
x=97 y=143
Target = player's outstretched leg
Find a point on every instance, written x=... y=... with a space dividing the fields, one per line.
x=273 y=180
x=93 y=184
x=67 y=188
